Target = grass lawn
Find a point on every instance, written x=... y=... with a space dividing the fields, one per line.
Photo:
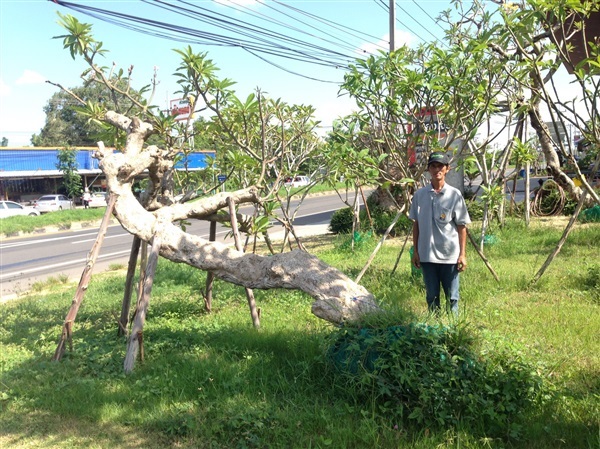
x=212 y=381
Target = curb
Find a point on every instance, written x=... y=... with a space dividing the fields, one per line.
x=79 y=225
x=73 y=226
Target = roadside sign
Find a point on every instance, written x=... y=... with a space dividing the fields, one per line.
x=221 y=178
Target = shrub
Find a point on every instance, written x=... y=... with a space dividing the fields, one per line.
x=431 y=376
x=475 y=209
x=382 y=219
x=341 y=221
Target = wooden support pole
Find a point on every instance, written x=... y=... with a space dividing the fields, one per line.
x=86 y=276
x=143 y=268
x=254 y=313
x=563 y=238
x=136 y=336
x=379 y=245
x=126 y=304
x=210 y=277
x=485 y=261
x=409 y=233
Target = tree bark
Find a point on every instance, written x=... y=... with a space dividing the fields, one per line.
x=337 y=297
x=552 y=161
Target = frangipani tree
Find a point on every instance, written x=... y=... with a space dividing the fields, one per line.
x=494 y=69
x=154 y=219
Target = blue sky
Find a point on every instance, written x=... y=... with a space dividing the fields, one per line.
x=29 y=55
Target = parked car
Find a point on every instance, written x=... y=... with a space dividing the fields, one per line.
x=11 y=209
x=298 y=181
x=50 y=203
x=97 y=199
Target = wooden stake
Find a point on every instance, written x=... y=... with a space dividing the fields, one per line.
x=126 y=304
x=135 y=343
x=563 y=238
x=236 y=237
x=401 y=251
x=86 y=276
x=210 y=277
x=485 y=261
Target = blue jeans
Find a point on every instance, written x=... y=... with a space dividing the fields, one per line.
x=435 y=274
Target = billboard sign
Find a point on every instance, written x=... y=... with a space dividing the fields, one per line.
x=180 y=108
x=426 y=123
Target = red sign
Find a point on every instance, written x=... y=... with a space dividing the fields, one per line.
x=180 y=108
x=426 y=122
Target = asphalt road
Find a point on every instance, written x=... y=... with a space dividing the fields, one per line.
x=27 y=260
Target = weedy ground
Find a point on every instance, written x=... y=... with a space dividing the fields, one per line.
x=210 y=380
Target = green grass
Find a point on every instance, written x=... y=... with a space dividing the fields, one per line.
x=212 y=381
x=61 y=219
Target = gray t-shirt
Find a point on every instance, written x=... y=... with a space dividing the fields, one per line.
x=438 y=214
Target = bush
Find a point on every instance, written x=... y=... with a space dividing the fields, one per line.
x=341 y=221
x=382 y=219
x=431 y=376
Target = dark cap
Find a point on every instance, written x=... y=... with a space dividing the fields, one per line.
x=440 y=157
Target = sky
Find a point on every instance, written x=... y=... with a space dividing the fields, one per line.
x=29 y=56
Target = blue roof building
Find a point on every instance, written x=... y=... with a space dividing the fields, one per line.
x=27 y=172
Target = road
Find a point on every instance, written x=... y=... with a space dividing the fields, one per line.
x=520 y=190
x=27 y=260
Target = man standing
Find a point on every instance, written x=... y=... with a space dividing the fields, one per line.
x=86 y=198
x=440 y=216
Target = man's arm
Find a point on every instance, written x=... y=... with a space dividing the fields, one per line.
x=416 y=261
x=462 y=244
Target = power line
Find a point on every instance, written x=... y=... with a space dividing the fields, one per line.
x=316 y=40
x=428 y=15
x=418 y=23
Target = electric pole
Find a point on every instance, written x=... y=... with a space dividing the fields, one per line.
x=392 y=25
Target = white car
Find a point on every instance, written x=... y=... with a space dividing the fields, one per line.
x=51 y=203
x=11 y=209
x=97 y=199
x=298 y=181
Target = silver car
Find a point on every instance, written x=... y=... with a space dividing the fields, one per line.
x=51 y=203
x=97 y=199
x=10 y=209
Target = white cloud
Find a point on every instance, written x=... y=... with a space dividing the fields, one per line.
x=30 y=77
x=4 y=89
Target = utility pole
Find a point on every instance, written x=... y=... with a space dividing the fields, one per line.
x=392 y=25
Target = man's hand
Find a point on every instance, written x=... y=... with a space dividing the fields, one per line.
x=416 y=261
x=462 y=263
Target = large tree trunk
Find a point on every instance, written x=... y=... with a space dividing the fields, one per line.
x=551 y=156
x=337 y=297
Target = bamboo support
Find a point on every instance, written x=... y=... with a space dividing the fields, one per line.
x=563 y=238
x=86 y=276
x=210 y=277
x=136 y=340
x=379 y=245
x=126 y=304
x=401 y=251
x=485 y=261
x=238 y=245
